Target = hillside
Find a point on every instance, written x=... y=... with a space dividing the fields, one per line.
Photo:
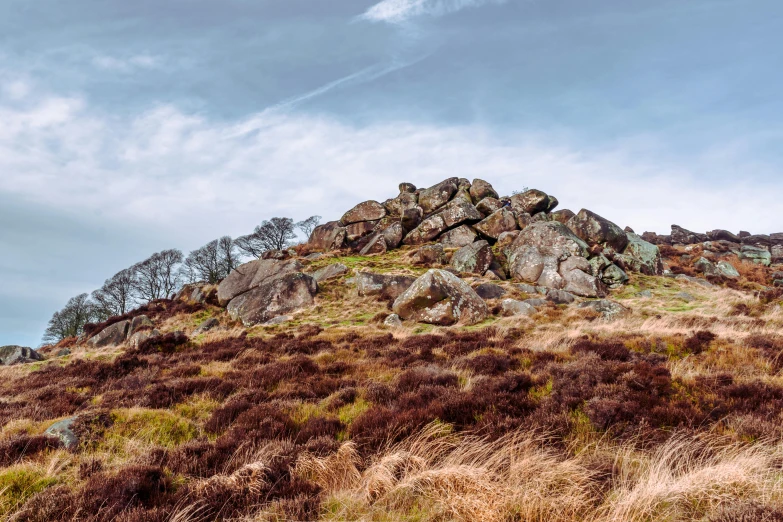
x=448 y=354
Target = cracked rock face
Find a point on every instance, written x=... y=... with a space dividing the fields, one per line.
x=474 y=258
x=253 y=274
x=439 y=297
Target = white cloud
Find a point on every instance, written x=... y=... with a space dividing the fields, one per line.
x=126 y=64
x=189 y=178
x=397 y=11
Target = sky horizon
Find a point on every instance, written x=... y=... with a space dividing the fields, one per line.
x=131 y=127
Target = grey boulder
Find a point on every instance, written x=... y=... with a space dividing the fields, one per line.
x=389 y=286
x=366 y=211
x=254 y=274
x=515 y=307
x=608 y=309
x=431 y=199
x=459 y=237
x=329 y=236
x=531 y=202
x=18 y=355
x=112 y=335
x=274 y=298
x=490 y=291
x=330 y=272
x=500 y=221
x=475 y=258
x=480 y=189
x=596 y=230
x=439 y=297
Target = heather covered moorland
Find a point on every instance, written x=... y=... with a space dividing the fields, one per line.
x=394 y=369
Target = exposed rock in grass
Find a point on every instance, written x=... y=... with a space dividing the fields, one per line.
x=439 y=297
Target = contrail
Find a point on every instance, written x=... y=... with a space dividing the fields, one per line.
x=399 y=11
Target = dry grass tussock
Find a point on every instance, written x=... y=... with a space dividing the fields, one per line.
x=439 y=475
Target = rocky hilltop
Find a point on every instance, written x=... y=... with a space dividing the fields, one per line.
x=446 y=354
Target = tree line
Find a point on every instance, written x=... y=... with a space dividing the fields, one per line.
x=163 y=273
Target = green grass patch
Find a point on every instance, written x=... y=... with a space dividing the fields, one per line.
x=18 y=484
x=155 y=427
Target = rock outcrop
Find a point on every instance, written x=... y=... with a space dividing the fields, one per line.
x=254 y=274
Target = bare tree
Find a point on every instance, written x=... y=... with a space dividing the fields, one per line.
x=275 y=234
x=308 y=225
x=157 y=276
x=212 y=262
x=116 y=296
x=70 y=321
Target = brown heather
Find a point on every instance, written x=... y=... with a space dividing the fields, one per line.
x=671 y=413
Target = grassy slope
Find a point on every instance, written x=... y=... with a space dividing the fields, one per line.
x=561 y=416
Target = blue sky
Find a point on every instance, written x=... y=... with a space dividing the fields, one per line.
x=128 y=127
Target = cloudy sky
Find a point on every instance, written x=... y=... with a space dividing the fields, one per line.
x=129 y=127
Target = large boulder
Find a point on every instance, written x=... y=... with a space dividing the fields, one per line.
x=330 y=272
x=430 y=255
x=275 y=297
x=428 y=230
x=755 y=254
x=329 y=236
x=433 y=198
x=578 y=278
x=681 y=236
x=723 y=235
x=135 y=340
x=140 y=322
x=376 y=245
x=459 y=211
x=389 y=286
x=531 y=202
x=366 y=211
x=727 y=270
x=551 y=238
x=458 y=237
x=596 y=230
x=562 y=216
x=393 y=234
x=474 y=258
x=480 y=189
x=641 y=256
x=18 y=355
x=488 y=205
x=777 y=253
x=356 y=231
x=500 y=221
x=253 y=274
x=395 y=207
x=411 y=218
x=525 y=263
x=439 y=297
x=112 y=335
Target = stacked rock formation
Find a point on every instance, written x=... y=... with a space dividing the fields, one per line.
x=581 y=253
x=762 y=249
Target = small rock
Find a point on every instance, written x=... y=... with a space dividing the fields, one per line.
x=705 y=266
x=695 y=280
x=206 y=326
x=488 y=205
x=136 y=339
x=609 y=309
x=393 y=321
x=63 y=352
x=139 y=322
x=560 y=296
x=330 y=272
x=63 y=430
x=685 y=296
x=645 y=294
x=515 y=307
x=490 y=291
x=536 y=303
x=614 y=276
x=528 y=289
x=314 y=256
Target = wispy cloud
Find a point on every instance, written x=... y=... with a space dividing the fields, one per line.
x=398 y=11
x=127 y=64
